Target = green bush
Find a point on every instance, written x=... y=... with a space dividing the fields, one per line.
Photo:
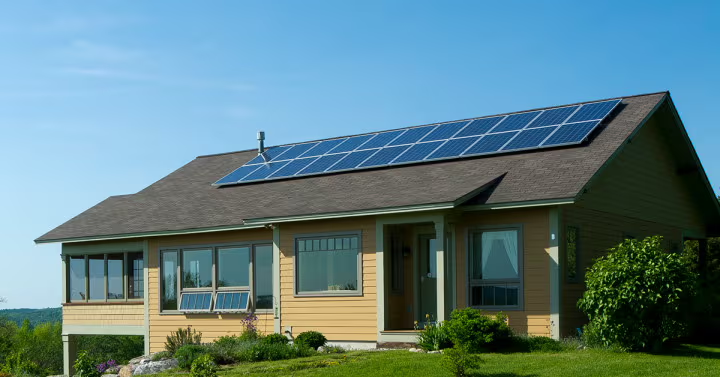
x=638 y=296
x=85 y=366
x=476 y=332
x=231 y=352
x=188 y=353
x=525 y=343
x=276 y=351
x=112 y=347
x=161 y=356
x=434 y=338
x=459 y=361
x=203 y=366
x=275 y=339
x=180 y=338
x=333 y=349
x=312 y=339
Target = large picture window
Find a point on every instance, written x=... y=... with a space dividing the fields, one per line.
x=217 y=278
x=496 y=268
x=328 y=264
x=105 y=277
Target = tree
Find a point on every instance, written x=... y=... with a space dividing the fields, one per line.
x=639 y=295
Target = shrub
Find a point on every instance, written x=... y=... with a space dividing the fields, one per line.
x=458 y=361
x=638 y=296
x=526 y=343
x=188 y=353
x=85 y=367
x=275 y=339
x=250 y=331
x=434 y=338
x=276 y=351
x=312 y=339
x=161 y=356
x=203 y=366
x=475 y=332
x=180 y=338
x=334 y=349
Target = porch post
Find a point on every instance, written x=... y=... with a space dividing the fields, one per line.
x=555 y=290
x=277 y=256
x=440 y=258
x=380 y=274
x=69 y=354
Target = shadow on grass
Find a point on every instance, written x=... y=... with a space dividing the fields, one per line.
x=691 y=350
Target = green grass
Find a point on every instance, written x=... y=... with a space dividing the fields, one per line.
x=682 y=360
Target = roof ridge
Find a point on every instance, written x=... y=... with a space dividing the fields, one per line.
x=442 y=122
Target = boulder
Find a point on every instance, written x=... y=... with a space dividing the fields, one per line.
x=126 y=371
x=152 y=367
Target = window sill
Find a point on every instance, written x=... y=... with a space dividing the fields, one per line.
x=179 y=313
x=499 y=308
x=329 y=294
x=97 y=303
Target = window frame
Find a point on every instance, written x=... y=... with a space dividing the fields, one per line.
x=578 y=270
x=67 y=296
x=214 y=289
x=470 y=282
x=358 y=292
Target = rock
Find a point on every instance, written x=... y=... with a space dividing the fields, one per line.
x=109 y=375
x=434 y=352
x=152 y=367
x=321 y=349
x=126 y=371
x=415 y=350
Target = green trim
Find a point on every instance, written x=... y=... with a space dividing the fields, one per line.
x=333 y=215
x=103 y=330
x=147 y=234
x=525 y=204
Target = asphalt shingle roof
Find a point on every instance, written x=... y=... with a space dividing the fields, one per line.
x=186 y=200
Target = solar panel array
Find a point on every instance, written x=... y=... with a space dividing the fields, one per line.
x=196 y=302
x=554 y=127
x=231 y=301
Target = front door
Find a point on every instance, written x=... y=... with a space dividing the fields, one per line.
x=428 y=279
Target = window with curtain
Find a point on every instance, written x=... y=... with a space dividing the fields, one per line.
x=327 y=265
x=495 y=268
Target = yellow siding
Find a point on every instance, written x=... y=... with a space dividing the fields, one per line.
x=339 y=318
x=104 y=315
x=212 y=326
x=535 y=318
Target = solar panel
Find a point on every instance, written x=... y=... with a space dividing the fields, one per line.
x=196 y=302
x=231 y=301
x=568 y=125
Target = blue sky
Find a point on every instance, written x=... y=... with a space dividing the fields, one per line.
x=103 y=98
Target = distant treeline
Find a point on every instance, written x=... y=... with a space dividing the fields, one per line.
x=35 y=316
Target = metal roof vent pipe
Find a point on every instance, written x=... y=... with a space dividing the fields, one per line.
x=261 y=142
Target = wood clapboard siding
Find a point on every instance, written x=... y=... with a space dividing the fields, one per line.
x=535 y=318
x=642 y=182
x=212 y=326
x=338 y=318
x=639 y=194
x=104 y=315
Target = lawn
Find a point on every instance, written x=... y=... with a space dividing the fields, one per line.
x=681 y=361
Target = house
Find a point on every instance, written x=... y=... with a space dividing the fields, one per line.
x=502 y=213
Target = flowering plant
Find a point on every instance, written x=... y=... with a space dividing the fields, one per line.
x=106 y=366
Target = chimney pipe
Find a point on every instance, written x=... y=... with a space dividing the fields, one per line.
x=261 y=142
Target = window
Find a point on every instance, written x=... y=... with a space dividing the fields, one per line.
x=105 y=277
x=169 y=282
x=77 y=278
x=571 y=254
x=222 y=276
x=327 y=265
x=136 y=276
x=234 y=267
x=495 y=266
x=263 y=277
